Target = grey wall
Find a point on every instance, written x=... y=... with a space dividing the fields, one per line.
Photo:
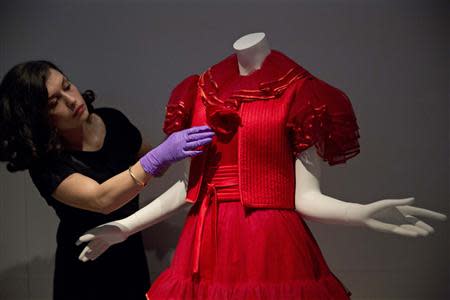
x=390 y=57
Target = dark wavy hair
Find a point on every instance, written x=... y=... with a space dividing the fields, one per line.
x=26 y=133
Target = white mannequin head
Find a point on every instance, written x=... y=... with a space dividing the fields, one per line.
x=251 y=50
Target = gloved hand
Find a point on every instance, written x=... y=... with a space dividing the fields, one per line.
x=177 y=146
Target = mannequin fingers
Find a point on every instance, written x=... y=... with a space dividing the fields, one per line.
x=93 y=250
x=89 y=249
x=405 y=232
x=422 y=212
x=382 y=204
x=94 y=254
x=88 y=255
x=194 y=144
x=418 y=223
x=380 y=226
x=82 y=256
x=85 y=238
x=424 y=226
x=391 y=228
x=419 y=230
x=93 y=245
x=199 y=136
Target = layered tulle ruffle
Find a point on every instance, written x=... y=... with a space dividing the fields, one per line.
x=247 y=254
x=170 y=286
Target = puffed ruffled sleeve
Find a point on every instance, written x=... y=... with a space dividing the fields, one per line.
x=178 y=109
x=323 y=116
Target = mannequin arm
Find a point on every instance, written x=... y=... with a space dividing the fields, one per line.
x=309 y=200
x=389 y=215
x=102 y=237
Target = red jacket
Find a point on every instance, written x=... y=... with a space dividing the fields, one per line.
x=278 y=111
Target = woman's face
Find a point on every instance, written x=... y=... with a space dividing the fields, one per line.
x=67 y=108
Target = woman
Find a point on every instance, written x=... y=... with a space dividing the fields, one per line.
x=79 y=158
x=244 y=237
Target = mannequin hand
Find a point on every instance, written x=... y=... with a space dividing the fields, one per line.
x=395 y=216
x=101 y=238
x=177 y=146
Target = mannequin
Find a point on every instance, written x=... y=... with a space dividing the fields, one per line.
x=388 y=215
x=251 y=51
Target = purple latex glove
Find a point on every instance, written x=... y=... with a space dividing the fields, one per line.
x=177 y=146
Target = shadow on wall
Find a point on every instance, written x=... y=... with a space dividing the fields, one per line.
x=161 y=239
x=28 y=280
x=160 y=242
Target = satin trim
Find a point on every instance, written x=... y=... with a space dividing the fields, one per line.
x=222 y=186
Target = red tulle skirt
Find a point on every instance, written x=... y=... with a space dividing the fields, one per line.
x=246 y=254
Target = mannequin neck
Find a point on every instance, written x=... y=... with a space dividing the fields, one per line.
x=251 y=50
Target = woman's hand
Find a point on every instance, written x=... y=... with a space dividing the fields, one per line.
x=101 y=238
x=177 y=146
x=394 y=216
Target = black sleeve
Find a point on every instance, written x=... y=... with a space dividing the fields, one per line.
x=126 y=135
x=48 y=174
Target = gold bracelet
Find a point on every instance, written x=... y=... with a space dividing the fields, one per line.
x=137 y=181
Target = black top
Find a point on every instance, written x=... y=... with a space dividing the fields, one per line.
x=122 y=269
x=119 y=150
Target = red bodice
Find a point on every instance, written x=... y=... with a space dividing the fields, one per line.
x=262 y=122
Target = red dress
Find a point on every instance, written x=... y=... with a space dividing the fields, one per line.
x=230 y=251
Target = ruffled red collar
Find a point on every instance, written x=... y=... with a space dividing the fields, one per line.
x=223 y=89
x=222 y=82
